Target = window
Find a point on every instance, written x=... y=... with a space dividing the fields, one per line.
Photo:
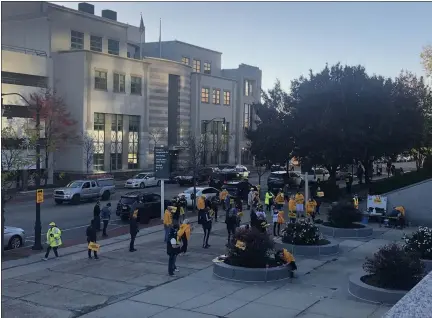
x=93 y=184
x=99 y=141
x=77 y=40
x=207 y=68
x=101 y=80
x=246 y=116
x=119 y=83
x=133 y=142
x=216 y=96
x=197 y=66
x=205 y=92
x=248 y=88
x=113 y=47
x=116 y=141
x=24 y=79
x=185 y=60
x=227 y=98
x=136 y=85
x=96 y=43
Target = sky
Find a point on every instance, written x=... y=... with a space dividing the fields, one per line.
x=287 y=39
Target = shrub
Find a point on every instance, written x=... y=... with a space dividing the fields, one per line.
x=397 y=182
x=393 y=267
x=343 y=215
x=420 y=242
x=301 y=233
x=258 y=251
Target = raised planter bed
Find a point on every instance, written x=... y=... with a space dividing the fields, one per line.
x=428 y=265
x=251 y=275
x=331 y=248
x=364 y=231
x=363 y=291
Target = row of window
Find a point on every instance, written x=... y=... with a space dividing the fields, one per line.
x=196 y=65
x=77 y=43
x=205 y=96
x=24 y=79
x=116 y=146
x=119 y=82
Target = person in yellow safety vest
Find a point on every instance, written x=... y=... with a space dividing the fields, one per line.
x=292 y=215
x=201 y=203
x=168 y=221
x=299 y=198
x=310 y=208
x=222 y=196
x=280 y=200
x=356 y=202
x=268 y=200
x=53 y=239
x=183 y=235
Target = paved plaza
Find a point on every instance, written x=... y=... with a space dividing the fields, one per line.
x=127 y=285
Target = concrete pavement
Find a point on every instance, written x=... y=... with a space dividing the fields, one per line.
x=127 y=285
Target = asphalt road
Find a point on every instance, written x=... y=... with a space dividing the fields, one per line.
x=73 y=220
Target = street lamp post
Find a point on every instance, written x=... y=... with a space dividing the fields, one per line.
x=205 y=135
x=38 y=227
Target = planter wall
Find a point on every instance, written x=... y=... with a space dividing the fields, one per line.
x=312 y=250
x=345 y=233
x=428 y=265
x=372 y=294
x=253 y=275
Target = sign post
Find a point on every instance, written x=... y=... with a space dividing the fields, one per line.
x=162 y=171
x=39 y=196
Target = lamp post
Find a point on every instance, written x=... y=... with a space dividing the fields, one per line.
x=206 y=122
x=38 y=227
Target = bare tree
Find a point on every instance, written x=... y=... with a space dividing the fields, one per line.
x=222 y=145
x=88 y=143
x=426 y=57
x=194 y=147
x=156 y=135
x=261 y=168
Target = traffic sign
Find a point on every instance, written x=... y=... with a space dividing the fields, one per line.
x=161 y=163
x=39 y=196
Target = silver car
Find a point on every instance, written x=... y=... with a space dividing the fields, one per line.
x=14 y=237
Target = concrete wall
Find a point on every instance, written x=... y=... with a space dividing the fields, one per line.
x=415 y=200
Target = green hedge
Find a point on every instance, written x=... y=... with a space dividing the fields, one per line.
x=396 y=182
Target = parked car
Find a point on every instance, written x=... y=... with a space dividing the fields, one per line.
x=342 y=173
x=296 y=179
x=203 y=175
x=209 y=192
x=316 y=174
x=14 y=237
x=277 y=167
x=142 y=180
x=219 y=178
x=277 y=180
x=239 y=188
x=85 y=190
x=242 y=170
x=151 y=208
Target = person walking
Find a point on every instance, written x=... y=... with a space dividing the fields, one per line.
x=207 y=225
x=183 y=207
x=168 y=222
x=173 y=249
x=91 y=238
x=268 y=200
x=183 y=235
x=96 y=216
x=133 y=230
x=214 y=207
x=231 y=222
x=105 y=216
x=53 y=239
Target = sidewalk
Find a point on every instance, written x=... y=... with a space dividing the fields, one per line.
x=137 y=285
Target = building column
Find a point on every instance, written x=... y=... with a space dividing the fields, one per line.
x=107 y=146
x=125 y=142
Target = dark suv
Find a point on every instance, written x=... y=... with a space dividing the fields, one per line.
x=239 y=188
x=150 y=208
x=218 y=179
x=203 y=175
x=277 y=180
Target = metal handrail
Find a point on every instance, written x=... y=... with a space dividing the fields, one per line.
x=23 y=50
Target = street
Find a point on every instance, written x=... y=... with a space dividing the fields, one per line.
x=74 y=219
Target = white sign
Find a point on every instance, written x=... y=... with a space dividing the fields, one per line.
x=377 y=201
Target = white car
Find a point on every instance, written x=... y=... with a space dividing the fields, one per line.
x=209 y=192
x=142 y=180
x=242 y=170
x=14 y=237
x=316 y=174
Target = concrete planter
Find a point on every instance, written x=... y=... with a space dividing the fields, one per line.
x=251 y=275
x=312 y=250
x=345 y=233
x=427 y=264
x=372 y=294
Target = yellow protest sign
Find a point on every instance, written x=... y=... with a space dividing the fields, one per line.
x=39 y=196
x=241 y=245
x=93 y=246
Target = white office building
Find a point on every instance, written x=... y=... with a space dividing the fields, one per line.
x=123 y=100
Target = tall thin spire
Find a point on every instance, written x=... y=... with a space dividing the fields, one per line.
x=160 y=38
x=141 y=30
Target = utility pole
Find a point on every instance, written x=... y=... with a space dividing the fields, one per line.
x=38 y=227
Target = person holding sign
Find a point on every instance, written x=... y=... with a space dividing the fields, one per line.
x=91 y=238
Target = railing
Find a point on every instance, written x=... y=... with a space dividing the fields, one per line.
x=23 y=50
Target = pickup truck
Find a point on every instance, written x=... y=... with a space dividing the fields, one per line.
x=85 y=190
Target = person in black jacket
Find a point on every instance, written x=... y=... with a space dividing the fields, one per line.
x=133 y=230
x=207 y=225
x=173 y=249
x=214 y=204
x=96 y=216
x=91 y=237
